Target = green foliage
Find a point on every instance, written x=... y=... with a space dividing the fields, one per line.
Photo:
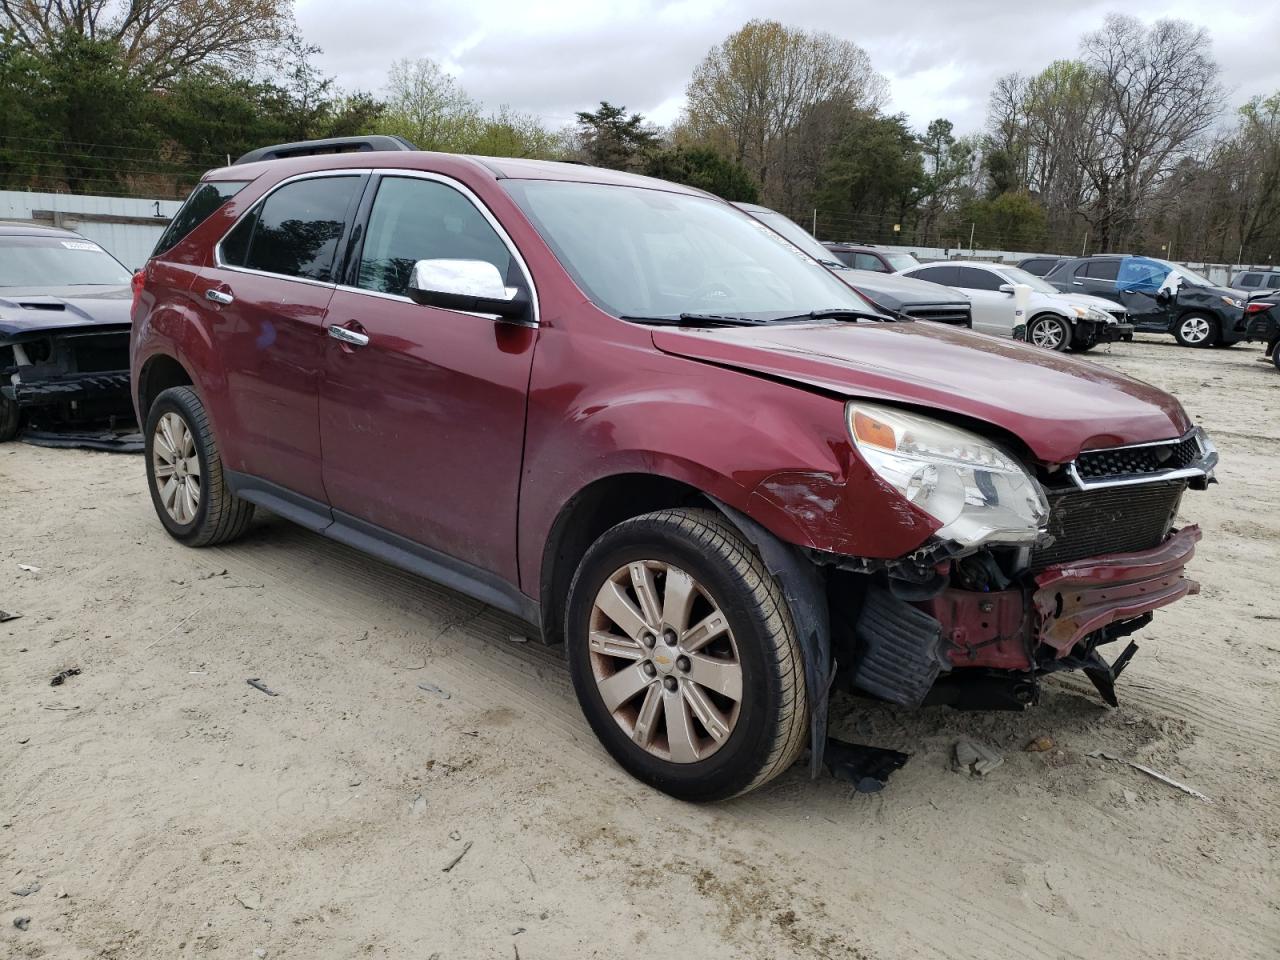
x=872 y=173
x=610 y=138
x=705 y=169
x=1011 y=221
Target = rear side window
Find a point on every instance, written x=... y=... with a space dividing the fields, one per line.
x=415 y=219
x=294 y=232
x=866 y=261
x=971 y=278
x=844 y=256
x=200 y=206
x=1101 y=269
x=943 y=275
x=1251 y=280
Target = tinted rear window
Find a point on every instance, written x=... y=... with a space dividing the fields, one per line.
x=200 y=206
x=1101 y=269
x=295 y=231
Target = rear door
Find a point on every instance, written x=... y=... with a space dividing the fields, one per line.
x=423 y=425
x=1097 y=277
x=265 y=298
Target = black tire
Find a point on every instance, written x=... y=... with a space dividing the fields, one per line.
x=1275 y=355
x=1184 y=326
x=772 y=723
x=10 y=419
x=219 y=516
x=1046 y=325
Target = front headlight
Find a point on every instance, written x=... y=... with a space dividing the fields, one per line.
x=1231 y=302
x=977 y=491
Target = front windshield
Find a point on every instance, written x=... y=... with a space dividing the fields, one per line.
x=1018 y=275
x=798 y=236
x=57 y=262
x=901 y=261
x=642 y=253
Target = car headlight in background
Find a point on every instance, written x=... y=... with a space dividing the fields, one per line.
x=977 y=491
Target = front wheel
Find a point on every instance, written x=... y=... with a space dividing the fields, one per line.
x=184 y=472
x=9 y=417
x=1049 y=332
x=684 y=657
x=1196 y=330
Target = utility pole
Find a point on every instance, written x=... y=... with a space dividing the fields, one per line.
x=971 y=227
x=815 y=223
x=1240 y=256
x=1084 y=245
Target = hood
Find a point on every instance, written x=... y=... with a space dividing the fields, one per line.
x=35 y=310
x=1056 y=405
x=1087 y=300
x=895 y=292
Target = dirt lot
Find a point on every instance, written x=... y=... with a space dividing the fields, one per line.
x=168 y=809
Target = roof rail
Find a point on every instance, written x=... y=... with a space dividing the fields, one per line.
x=309 y=148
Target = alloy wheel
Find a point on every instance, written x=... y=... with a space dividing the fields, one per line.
x=176 y=466
x=1195 y=330
x=665 y=661
x=1047 y=334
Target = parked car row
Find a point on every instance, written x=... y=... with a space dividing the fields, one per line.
x=664 y=434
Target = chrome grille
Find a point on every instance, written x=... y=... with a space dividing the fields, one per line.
x=1092 y=523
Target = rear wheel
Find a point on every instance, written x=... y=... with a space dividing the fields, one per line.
x=8 y=419
x=1196 y=330
x=1050 y=332
x=184 y=472
x=684 y=657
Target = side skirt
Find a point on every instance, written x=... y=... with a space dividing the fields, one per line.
x=388 y=547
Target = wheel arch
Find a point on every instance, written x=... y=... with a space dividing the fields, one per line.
x=159 y=373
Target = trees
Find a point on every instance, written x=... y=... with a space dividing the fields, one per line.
x=705 y=169
x=869 y=181
x=607 y=137
x=750 y=93
x=157 y=40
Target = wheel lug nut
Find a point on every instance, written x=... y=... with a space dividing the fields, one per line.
x=683 y=663
x=669 y=683
x=649 y=669
x=669 y=638
x=648 y=640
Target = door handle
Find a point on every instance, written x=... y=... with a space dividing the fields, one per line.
x=219 y=296
x=352 y=338
x=1077 y=283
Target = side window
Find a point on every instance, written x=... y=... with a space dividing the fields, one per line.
x=1101 y=269
x=295 y=231
x=845 y=257
x=1273 y=281
x=1251 y=280
x=971 y=278
x=202 y=204
x=865 y=261
x=943 y=275
x=414 y=219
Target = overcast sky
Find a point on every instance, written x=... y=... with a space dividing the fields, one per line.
x=940 y=56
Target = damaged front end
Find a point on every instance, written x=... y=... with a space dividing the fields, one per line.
x=977 y=627
x=67 y=376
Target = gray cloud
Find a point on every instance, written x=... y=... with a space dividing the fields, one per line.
x=941 y=57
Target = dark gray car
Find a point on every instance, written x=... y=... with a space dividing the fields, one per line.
x=64 y=330
x=895 y=295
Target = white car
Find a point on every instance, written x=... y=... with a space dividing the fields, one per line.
x=1055 y=320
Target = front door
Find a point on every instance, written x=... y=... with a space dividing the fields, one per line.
x=423 y=426
x=1142 y=286
x=265 y=300
x=993 y=311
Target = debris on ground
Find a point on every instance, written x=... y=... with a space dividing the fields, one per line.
x=1153 y=773
x=215 y=573
x=867 y=768
x=458 y=859
x=260 y=953
x=517 y=638
x=432 y=688
x=1040 y=745
x=22 y=922
x=249 y=899
x=976 y=758
x=5 y=616
x=65 y=675
x=257 y=684
x=418 y=804
x=32 y=887
x=28 y=568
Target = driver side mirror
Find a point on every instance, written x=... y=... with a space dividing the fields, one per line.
x=1006 y=288
x=472 y=285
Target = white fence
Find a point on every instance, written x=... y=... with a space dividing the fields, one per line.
x=128 y=228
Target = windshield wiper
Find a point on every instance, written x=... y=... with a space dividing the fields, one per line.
x=699 y=320
x=840 y=313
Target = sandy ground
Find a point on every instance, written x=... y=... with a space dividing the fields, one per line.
x=168 y=809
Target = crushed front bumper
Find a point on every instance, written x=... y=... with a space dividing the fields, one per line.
x=1025 y=628
x=1113 y=332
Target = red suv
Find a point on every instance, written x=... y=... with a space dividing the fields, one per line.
x=623 y=410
